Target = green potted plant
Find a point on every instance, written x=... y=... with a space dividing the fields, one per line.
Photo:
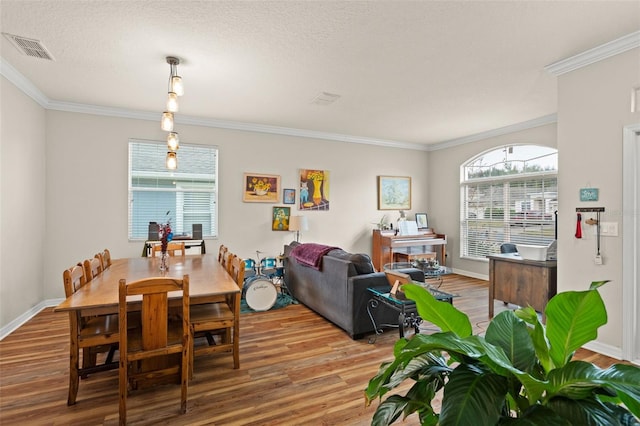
x=520 y=372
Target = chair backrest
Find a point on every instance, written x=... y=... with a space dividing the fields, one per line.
x=237 y=270
x=73 y=278
x=92 y=268
x=221 y=252
x=172 y=248
x=508 y=248
x=105 y=258
x=227 y=263
x=156 y=336
x=154 y=317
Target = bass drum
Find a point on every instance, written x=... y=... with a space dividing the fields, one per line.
x=260 y=293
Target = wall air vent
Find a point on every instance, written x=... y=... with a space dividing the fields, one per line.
x=29 y=47
x=325 y=98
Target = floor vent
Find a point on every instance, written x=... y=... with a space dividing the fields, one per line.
x=29 y=47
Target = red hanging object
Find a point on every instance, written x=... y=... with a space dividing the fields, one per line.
x=579 y=227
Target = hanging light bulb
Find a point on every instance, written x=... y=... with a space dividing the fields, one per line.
x=176 y=85
x=167 y=121
x=173 y=141
x=172 y=160
x=172 y=102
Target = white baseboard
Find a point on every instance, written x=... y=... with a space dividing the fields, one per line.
x=604 y=349
x=16 y=323
x=470 y=274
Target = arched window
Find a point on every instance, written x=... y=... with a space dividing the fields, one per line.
x=508 y=195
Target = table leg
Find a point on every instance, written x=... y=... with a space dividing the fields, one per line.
x=74 y=364
x=236 y=330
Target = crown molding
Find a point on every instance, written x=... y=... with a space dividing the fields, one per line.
x=536 y=122
x=22 y=83
x=591 y=56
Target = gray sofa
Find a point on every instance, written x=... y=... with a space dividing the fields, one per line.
x=338 y=291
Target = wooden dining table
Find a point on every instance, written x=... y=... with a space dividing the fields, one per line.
x=209 y=282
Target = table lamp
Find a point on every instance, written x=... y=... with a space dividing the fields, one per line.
x=297 y=224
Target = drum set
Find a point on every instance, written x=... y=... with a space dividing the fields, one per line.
x=261 y=281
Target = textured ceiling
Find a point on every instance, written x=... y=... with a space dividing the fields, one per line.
x=418 y=72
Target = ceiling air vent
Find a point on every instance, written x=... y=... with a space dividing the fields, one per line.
x=325 y=98
x=29 y=47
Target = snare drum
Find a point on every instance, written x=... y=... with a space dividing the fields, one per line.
x=260 y=293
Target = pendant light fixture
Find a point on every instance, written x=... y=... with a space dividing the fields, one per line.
x=167 y=121
x=172 y=160
x=176 y=88
x=173 y=141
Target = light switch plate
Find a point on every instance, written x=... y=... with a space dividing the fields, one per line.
x=607 y=229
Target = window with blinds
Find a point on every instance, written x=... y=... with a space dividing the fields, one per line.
x=508 y=195
x=186 y=196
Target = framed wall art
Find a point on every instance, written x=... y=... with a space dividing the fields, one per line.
x=259 y=188
x=422 y=220
x=280 y=218
x=314 y=189
x=394 y=193
x=289 y=196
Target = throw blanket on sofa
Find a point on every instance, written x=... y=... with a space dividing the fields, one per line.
x=310 y=254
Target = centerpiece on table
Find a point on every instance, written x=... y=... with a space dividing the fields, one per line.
x=166 y=235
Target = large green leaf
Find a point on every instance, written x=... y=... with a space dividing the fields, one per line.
x=540 y=343
x=389 y=410
x=573 y=319
x=442 y=314
x=537 y=415
x=510 y=333
x=587 y=412
x=472 y=397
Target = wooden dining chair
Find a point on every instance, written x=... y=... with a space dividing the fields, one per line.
x=221 y=251
x=91 y=335
x=238 y=267
x=105 y=258
x=92 y=267
x=158 y=336
x=216 y=320
x=172 y=249
x=229 y=259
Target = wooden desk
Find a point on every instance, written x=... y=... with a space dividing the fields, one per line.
x=188 y=243
x=208 y=282
x=385 y=245
x=521 y=282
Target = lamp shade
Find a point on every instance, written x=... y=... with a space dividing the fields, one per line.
x=298 y=223
x=167 y=121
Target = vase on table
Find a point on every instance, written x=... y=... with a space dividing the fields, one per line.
x=164 y=261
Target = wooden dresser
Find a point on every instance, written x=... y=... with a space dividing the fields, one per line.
x=388 y=247
x=521 y=282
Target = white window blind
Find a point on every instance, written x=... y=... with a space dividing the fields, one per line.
x=508 y=195
x=186 y=196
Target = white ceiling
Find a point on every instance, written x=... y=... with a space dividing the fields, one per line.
x=418 y=72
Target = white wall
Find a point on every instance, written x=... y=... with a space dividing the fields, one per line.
x=593 y=107
x=22 y=202
x=444 y=184
x=87 y=166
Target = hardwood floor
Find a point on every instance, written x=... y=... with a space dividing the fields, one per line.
x=295 y=369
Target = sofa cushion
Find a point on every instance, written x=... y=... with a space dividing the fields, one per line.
x=361 y=261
